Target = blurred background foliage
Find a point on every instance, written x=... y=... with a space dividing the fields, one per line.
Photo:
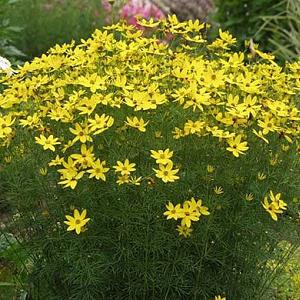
x=9 y=32
x=48 y=22
x=275 y=25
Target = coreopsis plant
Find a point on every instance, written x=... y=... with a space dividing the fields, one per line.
x=184 y=155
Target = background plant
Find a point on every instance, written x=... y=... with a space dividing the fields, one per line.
x=9 y=33
x=284 y=30
x=46 y=23
x=232 y=122
x=246 y=20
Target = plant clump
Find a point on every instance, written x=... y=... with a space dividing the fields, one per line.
x=130 y=123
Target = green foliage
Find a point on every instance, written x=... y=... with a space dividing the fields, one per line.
x=13 y=272
x=283 y=29
x=244 y=19
x=8 y=32
x=287 y=284
x=48 y=22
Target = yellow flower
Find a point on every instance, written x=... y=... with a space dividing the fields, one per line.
x=98 y=170
x=70 y=178
x=261 y=176
x=227 y=37
x=124 y=168
x=173 y=212
x=268 y=125
x=184 y=230
x=277 y=201
x=47 y=142
x=5 y=123
x=157 y=134
x=274 y=160
x=139 y=124
x=81 y=134
x=210 y=168
x=30 y=121
x=85 y=158
x=135 y=180
x=77 y=222
x=148 y=23
x=56 y=162
x=260 y=135
x=43 y=171
x=271 y=209
x=218 y=190
x=190 y=213
x=177 y=133
x=276 y=206
x=220 y=298
x=236 y=146
x=70 y=175
x=67 y=146
x=197 y=205
x=8 y=159
x=191 y=127
x=166 y=173
x=249 y=197
x=100 y=123
x=162 y=156
x=123 y=179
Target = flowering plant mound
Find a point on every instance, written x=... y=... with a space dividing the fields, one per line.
x=183 y=158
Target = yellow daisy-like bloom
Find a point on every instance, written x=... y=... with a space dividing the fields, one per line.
x=277 y=205
x=236 y=146
x=124 y=168
x=70 y=178
x=139 y=124
x=218 y=190
x=184 y=230
x=98 y=170
x=47 y=142
x=77 y=222
x=5 y=123
x=271 y=209
x=197 y=205
x=249 y=197
x=123 y=179
x=166 y=172
x=8 y=159
x=135 y=180
x=261 y=176
x=277 y=201
x=81 y=134
x=220 y=298
x=274 y=160
x=85 y=158
x=210 y=169
x=43 y=171
x=173 y=212
x=190 y=214
x=56 y=161
x=162 y=156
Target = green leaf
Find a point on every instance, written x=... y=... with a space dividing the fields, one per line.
x=6 y=284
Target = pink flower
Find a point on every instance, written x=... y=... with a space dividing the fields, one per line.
x=140 y=8
x=106 y=6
